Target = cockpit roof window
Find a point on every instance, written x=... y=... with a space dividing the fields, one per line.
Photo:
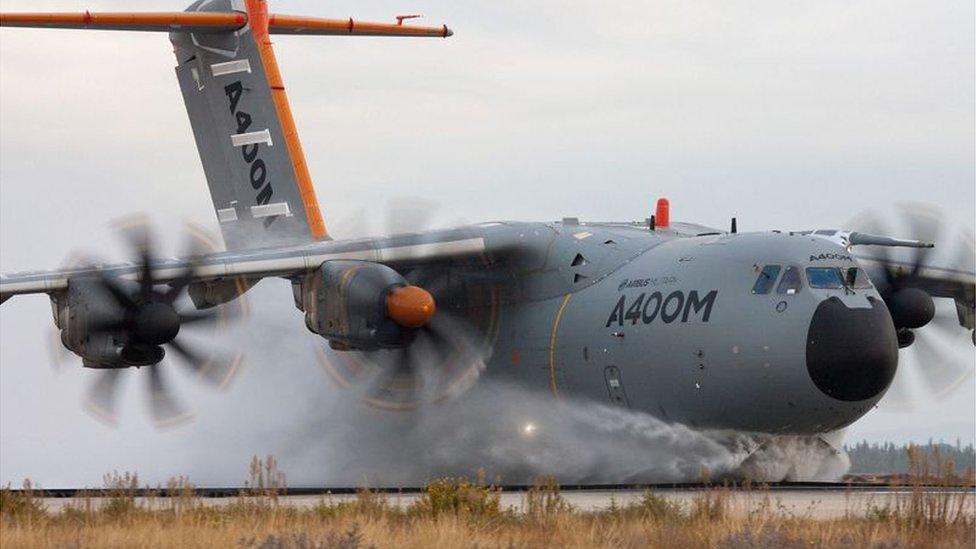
x=792 y=281
x=766 y=279
x=825 y=278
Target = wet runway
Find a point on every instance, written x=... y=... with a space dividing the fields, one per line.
x=799 y=502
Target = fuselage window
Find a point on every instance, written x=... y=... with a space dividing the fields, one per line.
x=858 y=279
x=828 y=278
x=766 y=279
x=792 y=281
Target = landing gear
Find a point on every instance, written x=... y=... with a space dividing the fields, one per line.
x=905 y=338
x=785 y=458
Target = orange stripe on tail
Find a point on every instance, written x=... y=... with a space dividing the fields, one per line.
x=257 y=11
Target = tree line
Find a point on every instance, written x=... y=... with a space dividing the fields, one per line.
x=887 y=457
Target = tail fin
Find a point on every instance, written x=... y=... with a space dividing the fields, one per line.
x=248 y=143
x=251 y=155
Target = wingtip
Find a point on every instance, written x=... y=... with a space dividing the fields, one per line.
x=448 y=32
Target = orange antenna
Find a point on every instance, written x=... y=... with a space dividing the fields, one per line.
x=662 y=215
x=401 y=18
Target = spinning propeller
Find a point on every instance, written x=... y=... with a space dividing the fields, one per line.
x=146 y=317
x=929 y=333
x=449 y=319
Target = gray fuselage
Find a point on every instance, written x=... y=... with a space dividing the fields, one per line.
x=669 y=325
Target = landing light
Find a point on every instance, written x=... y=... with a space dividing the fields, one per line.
x=529 y=429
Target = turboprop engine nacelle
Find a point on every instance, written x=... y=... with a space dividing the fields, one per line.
x=74 y=311
x=362 y=305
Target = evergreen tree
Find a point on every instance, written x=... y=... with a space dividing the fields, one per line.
x=887 y=457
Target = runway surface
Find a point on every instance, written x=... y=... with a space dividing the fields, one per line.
x=800 y=502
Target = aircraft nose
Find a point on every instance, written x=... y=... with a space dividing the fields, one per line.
x=852 y=354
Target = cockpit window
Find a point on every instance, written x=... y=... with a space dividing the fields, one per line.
x=856 y=278
x=792 y=281
x=766 y=279
x=825 y=278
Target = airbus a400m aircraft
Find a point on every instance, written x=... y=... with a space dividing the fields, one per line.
x=769 y=332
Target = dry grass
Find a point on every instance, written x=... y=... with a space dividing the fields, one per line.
x=465 y=513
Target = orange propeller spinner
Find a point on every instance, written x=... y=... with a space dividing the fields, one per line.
x=410 y=306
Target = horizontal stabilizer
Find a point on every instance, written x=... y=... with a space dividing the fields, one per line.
x=157 y=22
x=291 y=24
x=203 y=22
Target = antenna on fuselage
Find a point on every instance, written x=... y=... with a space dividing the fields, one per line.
x=662 y=214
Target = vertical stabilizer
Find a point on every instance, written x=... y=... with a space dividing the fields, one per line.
x=252 y=158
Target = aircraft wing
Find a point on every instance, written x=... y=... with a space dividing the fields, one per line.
x=954 y=284
x=259 y=263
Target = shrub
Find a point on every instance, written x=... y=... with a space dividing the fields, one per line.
x=121 y=491
x=711 y=505
x=261 y=490
x=544 y=500
x=459 y=496
x=21 y=506
x=265 y=480
x=367 y=503
x=351 y=539
x=656 y=507
x=181 y=495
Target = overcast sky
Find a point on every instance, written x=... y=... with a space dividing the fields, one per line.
x=785 y=114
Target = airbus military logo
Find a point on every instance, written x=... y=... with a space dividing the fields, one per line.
x=628 y=283
x=637 y=283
